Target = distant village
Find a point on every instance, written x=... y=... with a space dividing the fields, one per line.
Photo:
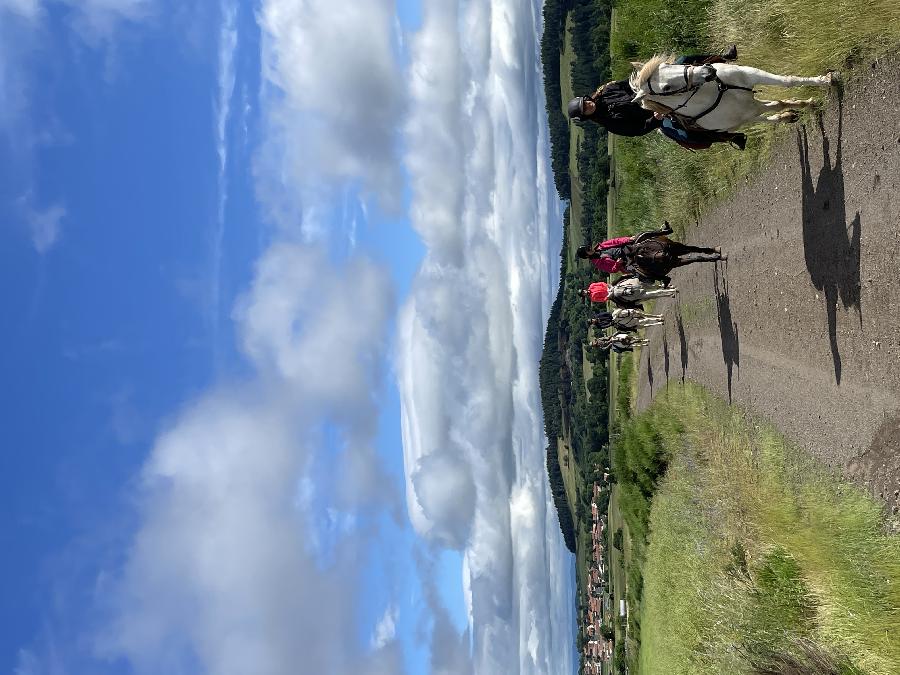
x=597 y=649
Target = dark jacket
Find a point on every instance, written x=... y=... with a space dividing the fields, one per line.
x=603 y=320
x=618 y=114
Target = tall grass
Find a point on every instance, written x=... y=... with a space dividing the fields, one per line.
x=659 y=180
x=757 y=556
x=624 y=392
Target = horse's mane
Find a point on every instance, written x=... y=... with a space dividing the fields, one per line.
x=644 y=72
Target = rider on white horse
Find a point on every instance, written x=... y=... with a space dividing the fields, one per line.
x=612 y=106
x=715 y=98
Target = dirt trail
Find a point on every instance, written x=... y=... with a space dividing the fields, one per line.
x=802 y=325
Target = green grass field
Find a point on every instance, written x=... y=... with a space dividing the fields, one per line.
x=756 y=557
x=621 y=379
x=757 y=561
x=576 y=136
x=587 y=369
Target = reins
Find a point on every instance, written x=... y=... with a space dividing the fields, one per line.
x=689 y=86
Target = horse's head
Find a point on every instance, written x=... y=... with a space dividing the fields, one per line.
x=658 y=79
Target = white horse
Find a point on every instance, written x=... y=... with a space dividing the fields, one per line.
x=719 y=97
x=620 y=342
x=634 y=290
x=635 y=318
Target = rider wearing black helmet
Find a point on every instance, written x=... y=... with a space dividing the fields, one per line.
x=612 y=104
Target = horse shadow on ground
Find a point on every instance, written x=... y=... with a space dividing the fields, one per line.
x=831 y=247
x=682 y=338
x=666 y=353
x=731 y=347
x=649 y=370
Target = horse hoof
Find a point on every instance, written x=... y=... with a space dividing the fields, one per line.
x=833 y=78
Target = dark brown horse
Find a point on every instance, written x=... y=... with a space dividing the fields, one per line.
x=653 y=258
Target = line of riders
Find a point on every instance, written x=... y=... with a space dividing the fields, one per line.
x=695 y=103
x=646 y=259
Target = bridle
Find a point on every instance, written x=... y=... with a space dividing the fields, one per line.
x=693 y=88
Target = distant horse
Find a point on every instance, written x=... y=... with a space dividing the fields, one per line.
x=630 y=319
x=620 y=342
x=719 y=97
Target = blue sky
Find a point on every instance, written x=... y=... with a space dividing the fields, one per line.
x=233 y=376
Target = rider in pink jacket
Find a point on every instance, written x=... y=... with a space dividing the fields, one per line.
x=607 y=256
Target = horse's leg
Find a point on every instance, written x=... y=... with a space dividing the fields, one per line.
x=659 y=293
x=785 y=104
x=788 y=116
x=748 y=76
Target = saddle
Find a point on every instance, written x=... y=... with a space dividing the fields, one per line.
x=653 y=251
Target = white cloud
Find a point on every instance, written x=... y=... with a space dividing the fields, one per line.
x=470 y=335
x=27 y=9
x=45 y=227
x=230 y=571
x=24 y=129
x=333 y=97
x=97 y=20
x=94 y=19
x=386 y=628
x=228 y=39
x=220 y=577
x=450 y=650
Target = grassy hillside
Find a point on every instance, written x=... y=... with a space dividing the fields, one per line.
x=750 y=557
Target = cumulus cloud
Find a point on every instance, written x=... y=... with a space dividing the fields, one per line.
x=333 y=102
x=451 y=652
x=470 y=335
x=220 y=577
x=248 y=558
x=446 y=493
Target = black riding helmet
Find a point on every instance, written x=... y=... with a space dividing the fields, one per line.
x=575 y=108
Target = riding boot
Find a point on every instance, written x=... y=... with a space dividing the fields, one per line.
x=729 y=54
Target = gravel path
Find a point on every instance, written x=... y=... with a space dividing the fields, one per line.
x=802 y=325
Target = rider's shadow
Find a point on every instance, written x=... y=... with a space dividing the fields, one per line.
x=728 y=329
x=831 y=246
x=666 y=358
x=683 y=345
